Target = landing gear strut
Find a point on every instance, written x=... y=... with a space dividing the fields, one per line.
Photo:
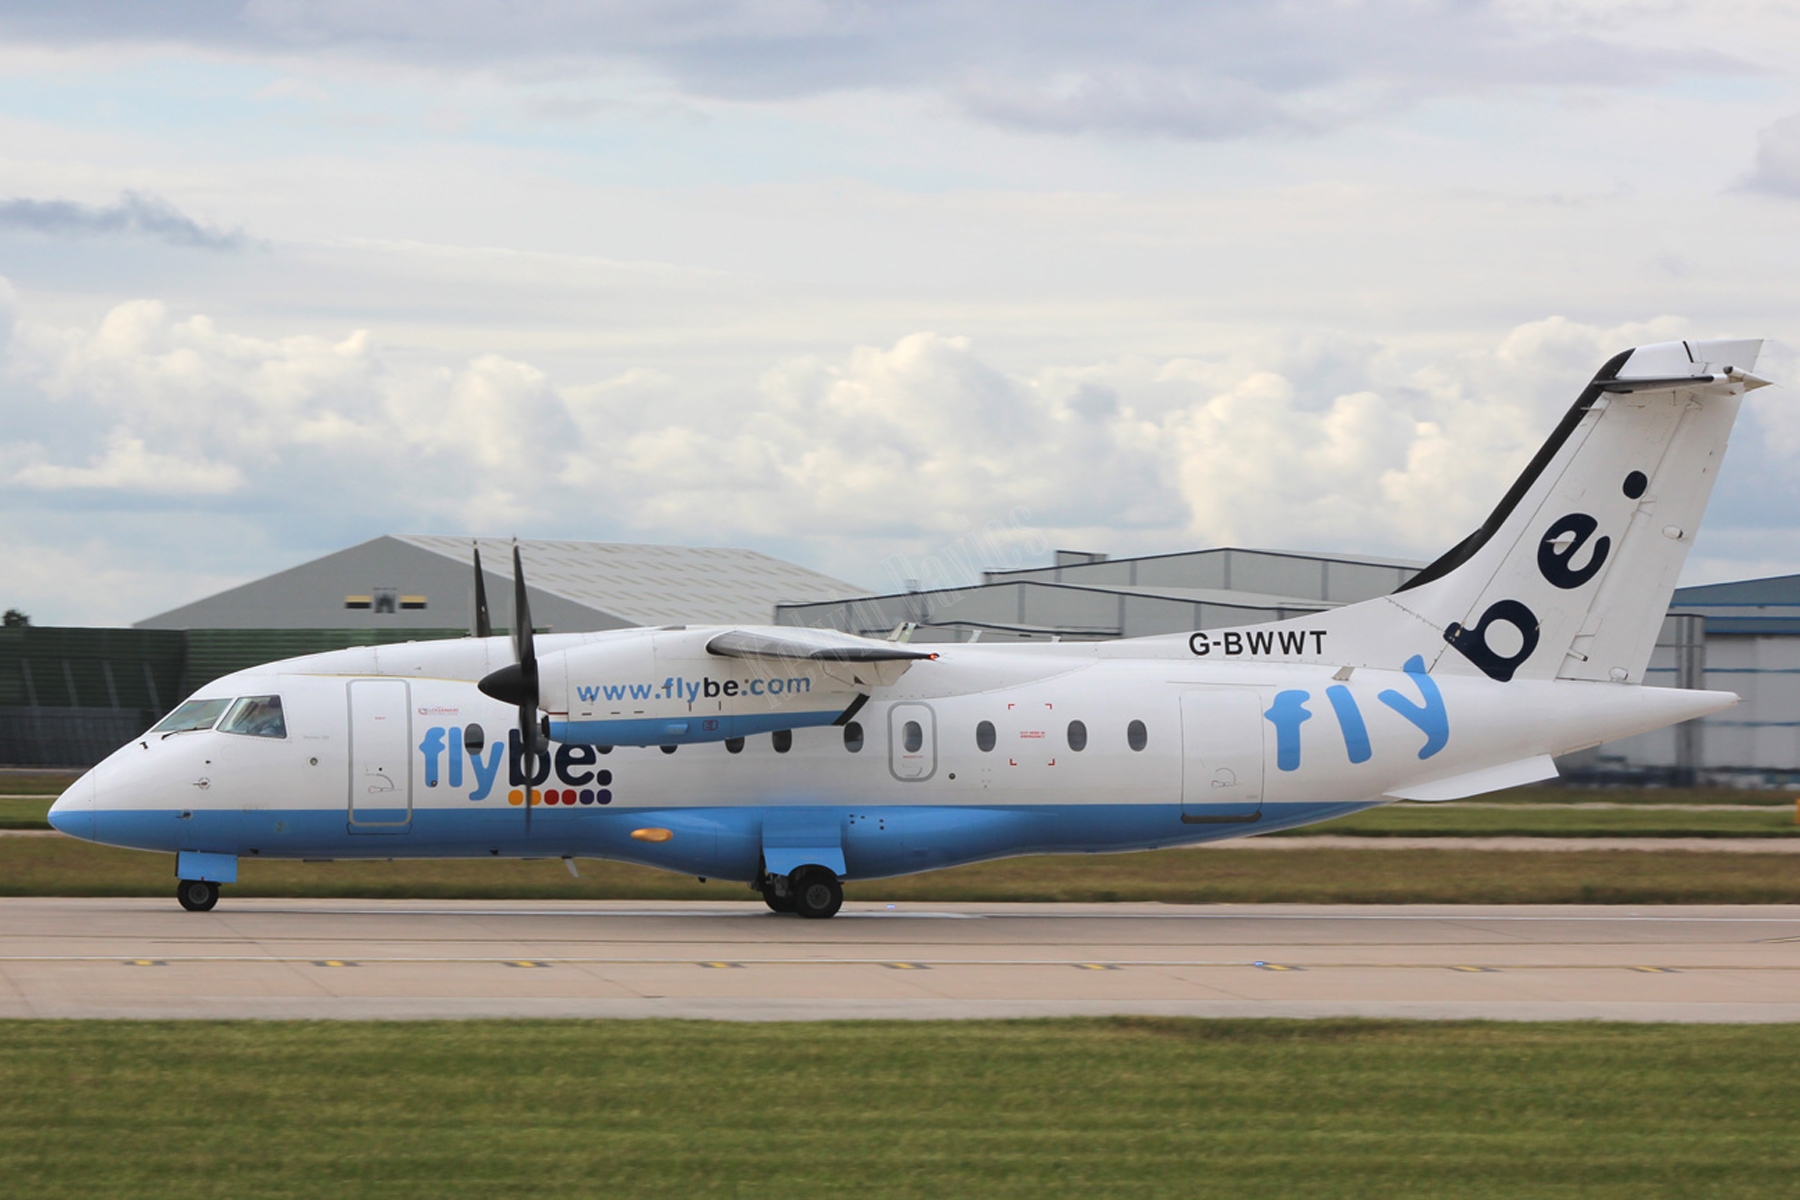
x=197 y=895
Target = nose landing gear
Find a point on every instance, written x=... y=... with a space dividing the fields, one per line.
x=197 y=895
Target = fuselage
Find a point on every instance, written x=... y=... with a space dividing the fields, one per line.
x=984 y=752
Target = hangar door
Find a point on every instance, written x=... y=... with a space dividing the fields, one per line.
x=380 y=755
x=1221 y=757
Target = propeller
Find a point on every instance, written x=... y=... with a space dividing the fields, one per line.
x=517 y=682
x=483 y=626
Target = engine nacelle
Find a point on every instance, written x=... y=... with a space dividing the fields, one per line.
x=664 y=687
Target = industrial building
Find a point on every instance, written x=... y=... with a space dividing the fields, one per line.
x=70 y=696
x=412 y=582
x=67 y=696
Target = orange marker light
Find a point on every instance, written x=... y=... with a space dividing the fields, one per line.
x=652 y=835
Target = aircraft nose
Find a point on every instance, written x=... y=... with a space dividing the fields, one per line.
x=73 y=811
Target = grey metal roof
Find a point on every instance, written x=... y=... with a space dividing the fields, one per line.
x=428 y=585
x=1774 y=591
x=649 y=584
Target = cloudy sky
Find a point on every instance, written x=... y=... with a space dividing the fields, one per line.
x=853 y=283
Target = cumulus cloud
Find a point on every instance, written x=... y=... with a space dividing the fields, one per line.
x=1159 y=67
x=877 y=453
x=135 y=215
x=128 y=465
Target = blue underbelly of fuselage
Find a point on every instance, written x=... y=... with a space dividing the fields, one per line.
x=719 y=843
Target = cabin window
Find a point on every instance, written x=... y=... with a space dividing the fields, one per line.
x=1136 y=736
x=783 y=740
x=734 y=745
x=984 y=737
x=474 y=738
x=1077 y=736
x=912 y=736
x=256 y=716
x=853 y=737
x=195 y=714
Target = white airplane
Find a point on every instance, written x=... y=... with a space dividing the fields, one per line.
x=794 y=759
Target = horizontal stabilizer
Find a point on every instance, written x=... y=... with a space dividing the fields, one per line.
x=1474 y=783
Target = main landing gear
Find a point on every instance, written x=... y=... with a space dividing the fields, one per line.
x=811 y=892
x=197 y=895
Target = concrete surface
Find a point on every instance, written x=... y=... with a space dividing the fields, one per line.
x=732 y=960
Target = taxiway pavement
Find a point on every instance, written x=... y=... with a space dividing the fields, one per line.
x=734 y=960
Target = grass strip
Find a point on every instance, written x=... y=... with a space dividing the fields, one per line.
x=55 y=866
x=1449 y=820
x=21 y=812
x=1124 y=1107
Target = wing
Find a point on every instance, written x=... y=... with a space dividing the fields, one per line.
x=813 y=645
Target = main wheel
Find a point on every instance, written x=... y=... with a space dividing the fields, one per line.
x=197 y=895
x=780 y=904
x=816 y=893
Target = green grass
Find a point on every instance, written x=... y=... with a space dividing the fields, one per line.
x=1508 y=820
x=1097 y=1108
x=1315 y=875
x=25 y=781
x=1556 y=793
x=24 y=812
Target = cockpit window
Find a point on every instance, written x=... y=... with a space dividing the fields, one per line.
x=257 y=716
x=195 y=714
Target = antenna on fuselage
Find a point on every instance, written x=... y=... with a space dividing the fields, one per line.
x=517 y=683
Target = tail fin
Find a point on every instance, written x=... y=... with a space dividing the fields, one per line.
x=1571 y=575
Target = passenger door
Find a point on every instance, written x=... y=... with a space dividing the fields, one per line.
x=380 y=755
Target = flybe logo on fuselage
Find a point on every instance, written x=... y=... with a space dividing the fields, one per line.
x=458 y=756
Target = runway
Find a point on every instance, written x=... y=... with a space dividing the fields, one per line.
x=736 y=961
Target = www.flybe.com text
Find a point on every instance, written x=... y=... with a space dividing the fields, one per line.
x=690 y=690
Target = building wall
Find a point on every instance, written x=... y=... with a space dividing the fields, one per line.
x=1031 y=609
x=71 y=696
x=313 y=595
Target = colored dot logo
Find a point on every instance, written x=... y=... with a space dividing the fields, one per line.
x=569 y=796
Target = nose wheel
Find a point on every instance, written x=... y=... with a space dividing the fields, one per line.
x=197 y=895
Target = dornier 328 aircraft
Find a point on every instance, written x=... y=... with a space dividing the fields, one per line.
x=794 y=759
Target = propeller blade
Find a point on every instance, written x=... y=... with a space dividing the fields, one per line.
x=517 y=682
x=484 y=626
x=525 y=650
